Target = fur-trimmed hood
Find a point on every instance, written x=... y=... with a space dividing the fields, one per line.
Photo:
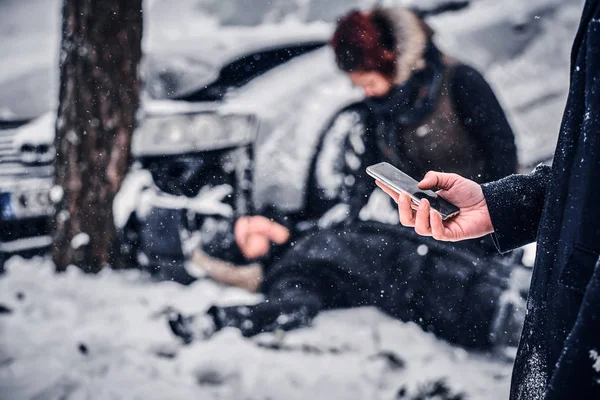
x=412 y=37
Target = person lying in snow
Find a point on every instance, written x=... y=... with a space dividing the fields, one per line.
x=422 y=110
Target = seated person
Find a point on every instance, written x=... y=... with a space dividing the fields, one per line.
x=422 y=111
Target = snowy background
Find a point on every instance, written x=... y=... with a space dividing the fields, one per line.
x=102 y=337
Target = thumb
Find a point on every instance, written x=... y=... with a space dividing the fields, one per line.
x=438 y=180
x=256 y=246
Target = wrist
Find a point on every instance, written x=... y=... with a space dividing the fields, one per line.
x=487 y=218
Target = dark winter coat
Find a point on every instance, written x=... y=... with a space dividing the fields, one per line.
x=401 y=129
x=452 y=290
x=559 y=352
x=445 y=116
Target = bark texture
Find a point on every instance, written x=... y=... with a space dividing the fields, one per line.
x=99 y=96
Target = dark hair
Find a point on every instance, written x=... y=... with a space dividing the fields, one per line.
x=365 y=42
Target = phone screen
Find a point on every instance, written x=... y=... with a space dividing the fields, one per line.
x=401 y=182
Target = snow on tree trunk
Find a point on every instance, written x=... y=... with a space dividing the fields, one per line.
x=99 y=96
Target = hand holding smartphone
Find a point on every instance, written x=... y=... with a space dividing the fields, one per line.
x=400 y=182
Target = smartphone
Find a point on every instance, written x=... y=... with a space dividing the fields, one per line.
x=399 y=182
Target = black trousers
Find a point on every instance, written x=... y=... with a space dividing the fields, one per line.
x=451 y=290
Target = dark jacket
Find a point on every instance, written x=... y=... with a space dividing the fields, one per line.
x=451 y=289
x=445 y=117
x=383 y=129
x=558 y=356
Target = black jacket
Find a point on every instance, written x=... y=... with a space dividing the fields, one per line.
x=559 y=353
x=353 y=142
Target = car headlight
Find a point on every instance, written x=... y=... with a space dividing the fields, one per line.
x=186 y=133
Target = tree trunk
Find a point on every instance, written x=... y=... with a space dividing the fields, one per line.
x=99 y=96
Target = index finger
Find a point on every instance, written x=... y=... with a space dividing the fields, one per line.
x=394 y=195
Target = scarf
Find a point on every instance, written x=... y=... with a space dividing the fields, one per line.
x=407 y=104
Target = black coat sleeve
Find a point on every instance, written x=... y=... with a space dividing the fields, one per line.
x=515 y=204
x=482 y=115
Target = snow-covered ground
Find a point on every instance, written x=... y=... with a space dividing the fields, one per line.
x=74 y=336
